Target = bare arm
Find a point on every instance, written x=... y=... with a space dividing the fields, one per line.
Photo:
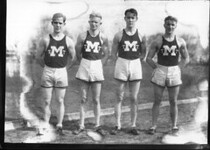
x=143 y=48
x=40 y=52
x=114 y=52
x=184 y=54
x=105 y=49
x=152 y=51
x=79 y=45
x=72 y=56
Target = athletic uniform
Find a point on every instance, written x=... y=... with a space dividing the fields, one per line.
x=90 y=68
x=128 y=64
x=55 y=58
x=167 y=72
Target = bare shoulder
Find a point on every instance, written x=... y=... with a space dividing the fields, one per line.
x=44 y=41
x=82 y=36
x=181 y=42
x=118 y=36
x=69 y=41
x=157 y=41
x=140 y=35
x=103 y=36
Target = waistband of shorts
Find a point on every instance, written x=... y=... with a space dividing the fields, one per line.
x=120 y=58
x=87 y=60
x=47 y=67
x=167 y=67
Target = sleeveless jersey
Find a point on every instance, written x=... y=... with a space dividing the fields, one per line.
x=91 y=49
x=168 y=54
x=129 y=46
x=56 y=54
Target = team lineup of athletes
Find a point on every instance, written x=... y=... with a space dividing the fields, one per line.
x=57 y=53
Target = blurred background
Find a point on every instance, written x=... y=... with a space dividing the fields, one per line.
x=27 y=21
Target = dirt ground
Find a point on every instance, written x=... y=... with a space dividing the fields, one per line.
x=186 y=115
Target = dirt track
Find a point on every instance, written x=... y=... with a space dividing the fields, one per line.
x=186 y=115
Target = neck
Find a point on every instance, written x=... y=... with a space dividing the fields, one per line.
x=130 y=31
x=169 y=35
x=93 y=32
x=57 y=36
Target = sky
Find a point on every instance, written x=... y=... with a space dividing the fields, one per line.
x=23 y=16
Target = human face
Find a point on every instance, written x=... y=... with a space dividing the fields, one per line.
x=58 y=24
x=170 y=26
x=95 y=23
x=130 y=19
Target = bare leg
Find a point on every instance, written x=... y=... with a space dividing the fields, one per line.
x=84 y=91
x=134 y=90
x=96 y=92
x=173 y=94
x=158 y=92
x=47 y=95
x=120 y=95
x=60 y=94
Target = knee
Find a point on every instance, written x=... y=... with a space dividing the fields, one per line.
x=60 y=100
x=84 y=100
x=134 y=99
x=158 y=100
x=119 y=99
x=96 y=101
x=120 y=96
x=173 y=102
x=47 y=101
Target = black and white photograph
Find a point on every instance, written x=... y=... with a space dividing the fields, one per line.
x=107 y=72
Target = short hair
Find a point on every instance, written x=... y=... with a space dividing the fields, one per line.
x=132 y=10
x=95 y=14
x=171 y=18
x=59 y=15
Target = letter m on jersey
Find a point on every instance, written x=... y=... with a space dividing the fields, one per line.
x=92 y=47
x=166 y=50
x=55 y=50
x=130 y=46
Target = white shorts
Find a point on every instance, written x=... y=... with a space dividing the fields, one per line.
x=128 y=70
x=167 y=76
x=54 y=77
x=90 y=70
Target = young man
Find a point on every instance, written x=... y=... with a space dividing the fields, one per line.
x=167 y=70
x=92 y=49
x=129 y=49
x=54 y=56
